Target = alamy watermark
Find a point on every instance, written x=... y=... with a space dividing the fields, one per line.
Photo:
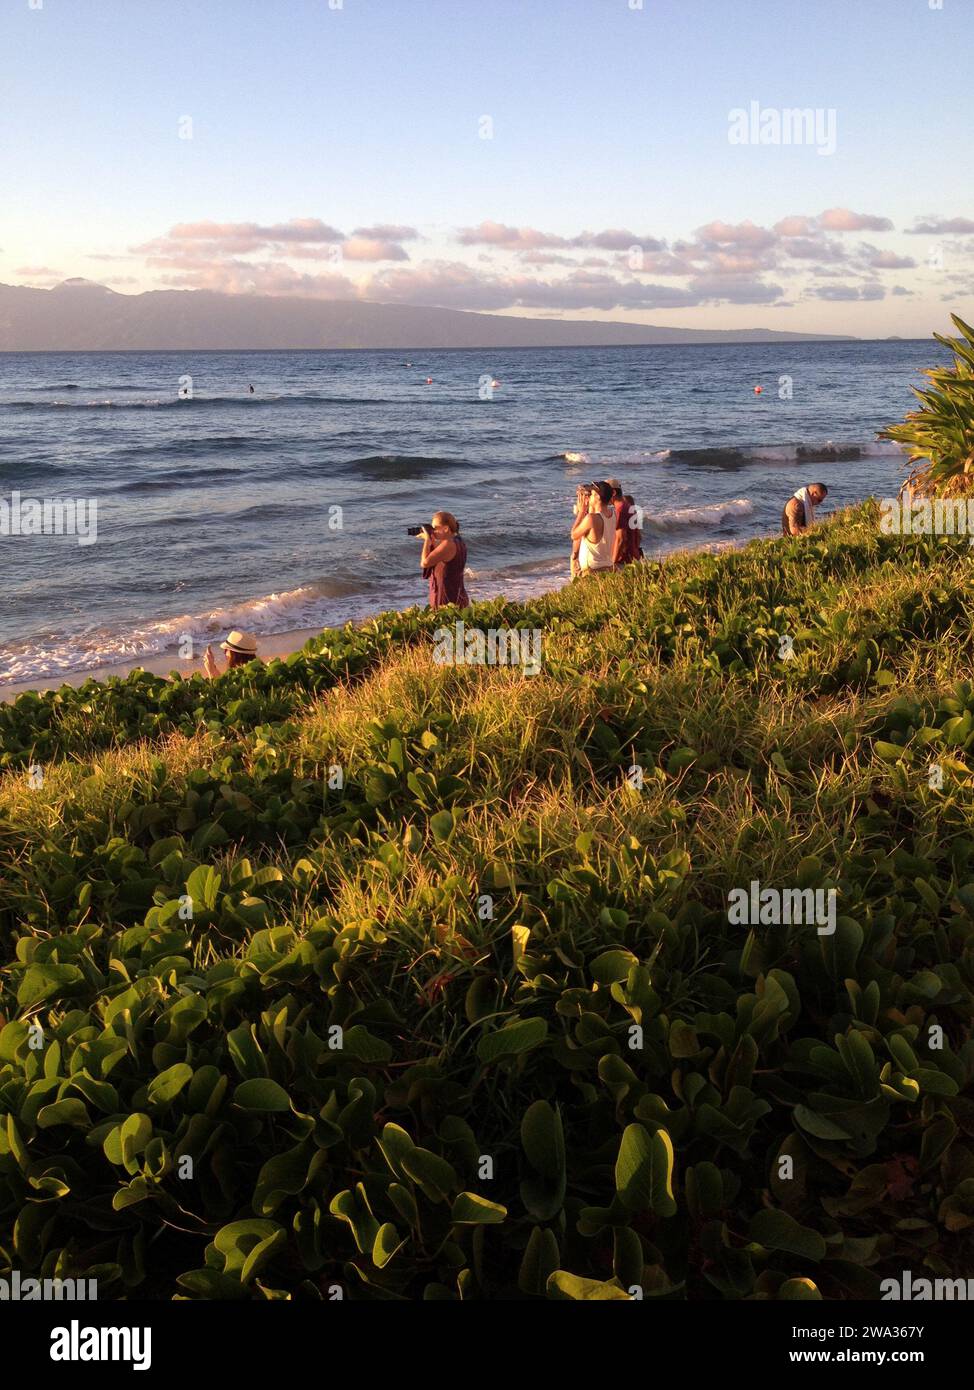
x=774 y=907
x=50 y=516
x=77 y=1343
x=755 y=124
x=912 y=1290
x=474 y=646
x=14 y=1288
x=923 y=516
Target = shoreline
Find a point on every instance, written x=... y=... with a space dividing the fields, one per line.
x=282 y=644
x=279 y=644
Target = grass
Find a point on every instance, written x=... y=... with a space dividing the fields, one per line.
x=486 y=881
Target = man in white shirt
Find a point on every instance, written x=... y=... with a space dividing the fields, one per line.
x=799 y=512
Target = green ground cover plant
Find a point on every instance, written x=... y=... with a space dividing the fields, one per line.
x=359 y=972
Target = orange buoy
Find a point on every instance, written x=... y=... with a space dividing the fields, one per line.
x=758 y=390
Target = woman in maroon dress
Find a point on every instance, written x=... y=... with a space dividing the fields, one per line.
x=443 y=561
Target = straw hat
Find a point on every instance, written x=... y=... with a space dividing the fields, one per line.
x=244 y=643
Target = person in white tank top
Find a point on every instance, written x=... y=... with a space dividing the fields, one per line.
x=595 y=530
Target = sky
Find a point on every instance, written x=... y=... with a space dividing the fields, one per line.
x=787 y=164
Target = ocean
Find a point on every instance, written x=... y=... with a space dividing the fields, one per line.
x=286 y=508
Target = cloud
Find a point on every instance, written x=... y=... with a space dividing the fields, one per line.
x=454 y=285
x=446 y=284
x=796 y=226
x=835 y=292
x=539 y=258
x=303 y=238
x=726 y=277
x=531 y=239
x=901 y=290
x=663 y=263
x=727 y=263
x=848 y=292
x=39 y=272
x=593 y=290
x=372 y=249
x=740 y=289
x=722 y=234
x=815 y=249
x=245 y=277
x=514 y=238
x=616 y=241
x=943 y=226
x=387 y=232
x=251 y=236
x=814 y=239
x=832 y=220
x=743 y=248
x=499 y=266
x=843 y=220
x=888 y=260
x=737 y=252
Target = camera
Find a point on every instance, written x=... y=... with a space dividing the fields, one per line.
x=417 y=530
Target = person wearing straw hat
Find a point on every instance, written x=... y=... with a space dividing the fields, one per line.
x=240 y=647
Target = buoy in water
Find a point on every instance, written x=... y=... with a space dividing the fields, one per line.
x=429 y=381
x=758 y=390
x=494 y=385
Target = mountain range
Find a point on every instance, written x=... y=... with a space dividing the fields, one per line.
x=82 y=316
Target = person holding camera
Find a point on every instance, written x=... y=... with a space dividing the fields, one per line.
x=443 y=560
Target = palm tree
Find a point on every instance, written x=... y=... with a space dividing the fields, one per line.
x=940 y=437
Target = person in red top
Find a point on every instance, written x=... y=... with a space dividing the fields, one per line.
x=443 y=561
x=635 y=534
x=626 y=547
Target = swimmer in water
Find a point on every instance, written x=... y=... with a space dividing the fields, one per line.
x=251 y=390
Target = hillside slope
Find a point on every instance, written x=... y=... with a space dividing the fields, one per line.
x=419 y=979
